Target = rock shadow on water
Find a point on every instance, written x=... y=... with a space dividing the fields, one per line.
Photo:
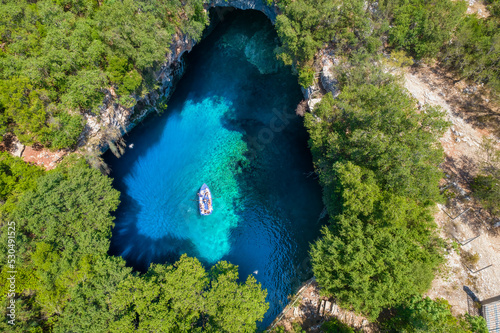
x=140 y=250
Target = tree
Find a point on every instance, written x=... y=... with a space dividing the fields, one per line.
x=70 y=208
x=24 y=105
x=335 y=326
x=376 y=126
x=234 y=307
x=173 y=296
x=474 y=52
x=92 y=298
x=426 y=315
x=370 y=262
x=422 y=27
x=185 y=297
x=62 y=223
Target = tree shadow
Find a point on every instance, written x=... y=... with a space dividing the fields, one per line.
x=472 y=302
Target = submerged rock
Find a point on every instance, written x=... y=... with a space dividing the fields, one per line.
x=260 y=52
x=328 y=78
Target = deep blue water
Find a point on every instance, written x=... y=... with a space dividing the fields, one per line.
x=231 y=124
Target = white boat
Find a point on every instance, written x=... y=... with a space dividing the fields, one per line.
x=205 y=200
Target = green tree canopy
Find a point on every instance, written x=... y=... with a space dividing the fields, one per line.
x=377 y=126
x=380 y=250
x=425 y=315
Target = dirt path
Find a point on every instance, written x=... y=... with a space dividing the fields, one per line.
x=35 y=154
x=472 y=118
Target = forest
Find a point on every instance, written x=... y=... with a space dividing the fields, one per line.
x=57 y=57
x=376 y=156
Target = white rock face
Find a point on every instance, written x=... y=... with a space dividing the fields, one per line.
x=309 y=91
x=312 y=103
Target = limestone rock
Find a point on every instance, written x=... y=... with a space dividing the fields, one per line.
x=312 y=103
x=327 y=77
x=18 y=148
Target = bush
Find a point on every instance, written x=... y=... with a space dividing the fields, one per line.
x=422 y=27
x=486 y=185
x=335 y=326
x=425 y=315
x=306 y=77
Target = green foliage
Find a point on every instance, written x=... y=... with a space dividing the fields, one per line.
x=475 y=50
x=131 y=81
x=16 y=176
x=371 y=262
x=335 y=326
x=65 y=130
x=180 y=297
x=58 y=56
x=279 y=329
x=470 y=258
x=29 y=318
x=233 y=307
x=117 y=67
x=88 y=81
x=297 y=328
x=400 y=59
x=487 y=190
x=306 y=25
x=377 y=160
x=375 y=125
x=63 y=224
x=425 y=315
x=91 y=298
x=24 y=105
x=476 y=324
x=306 y=76
x=77 y=202
x=455 y=247
x=422 y=27
x=486 y=185
x=68 y=221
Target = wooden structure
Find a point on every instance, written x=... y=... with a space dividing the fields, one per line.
x=491 y=312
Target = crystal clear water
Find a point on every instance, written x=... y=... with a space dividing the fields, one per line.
x=230 y=124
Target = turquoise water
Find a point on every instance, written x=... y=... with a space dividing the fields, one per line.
x=230 y=124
